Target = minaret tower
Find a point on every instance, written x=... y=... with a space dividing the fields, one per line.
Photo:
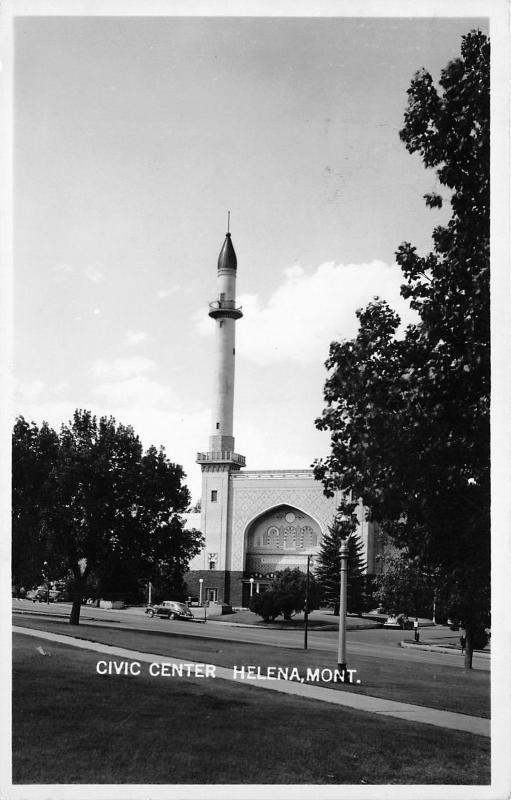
x=221 y=460
x=223 y=310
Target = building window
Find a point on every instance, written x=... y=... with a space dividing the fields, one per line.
x=221 y=324
x=212 y=565
x=218 y=426
x=211 y=595
x=214 y=496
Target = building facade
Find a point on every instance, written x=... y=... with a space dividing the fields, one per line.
x=254 y=522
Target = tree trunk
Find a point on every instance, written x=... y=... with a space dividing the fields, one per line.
x=468 y=649
x=74 y=618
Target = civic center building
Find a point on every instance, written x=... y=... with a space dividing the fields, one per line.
x=254 y=522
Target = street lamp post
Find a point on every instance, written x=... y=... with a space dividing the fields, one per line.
x=341 y=653
x=201 y=581
x=47 y=582
x=306 y=614
x=251 y=587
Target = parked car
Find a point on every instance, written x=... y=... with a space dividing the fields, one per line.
x=170 y=609
x=399 y=621
x=40 y=595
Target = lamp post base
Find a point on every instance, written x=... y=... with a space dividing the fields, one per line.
x=342 y=669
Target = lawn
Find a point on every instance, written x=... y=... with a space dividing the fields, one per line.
x=320 y=621
x=433 y=685
x=71 y=725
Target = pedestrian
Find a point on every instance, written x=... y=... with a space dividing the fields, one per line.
x=416 y=629
x=463 y=638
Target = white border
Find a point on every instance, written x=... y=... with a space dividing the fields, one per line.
x=498 y=11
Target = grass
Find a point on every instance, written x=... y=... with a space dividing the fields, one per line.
x=296 y=623
x=433 y=685
x=71 y=725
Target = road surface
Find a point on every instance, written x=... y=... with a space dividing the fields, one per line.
x=368 y=642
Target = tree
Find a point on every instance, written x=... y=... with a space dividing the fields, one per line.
x=327 y=572
x=108 y=509
x=286 y=595
x=33 y=452
x=410 y=417
x=403 y=586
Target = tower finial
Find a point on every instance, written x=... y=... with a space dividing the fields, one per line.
x=228 y=221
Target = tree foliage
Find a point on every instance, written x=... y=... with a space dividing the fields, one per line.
x=409 y=417
x=98 y=506
x=328 y=568
x=404 y=586
x=286 y=595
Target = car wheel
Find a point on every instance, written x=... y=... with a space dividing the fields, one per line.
x=151 y=612
x=172 y=616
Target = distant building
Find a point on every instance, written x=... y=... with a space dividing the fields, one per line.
x=254 y=522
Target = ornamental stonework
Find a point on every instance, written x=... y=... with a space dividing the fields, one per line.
x=249 y=503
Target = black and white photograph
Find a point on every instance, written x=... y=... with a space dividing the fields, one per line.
x=255 y=362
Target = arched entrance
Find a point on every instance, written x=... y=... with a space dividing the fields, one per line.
x=280 y=537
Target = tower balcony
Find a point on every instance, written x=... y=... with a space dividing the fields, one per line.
x=221 y=457
x=219 y=309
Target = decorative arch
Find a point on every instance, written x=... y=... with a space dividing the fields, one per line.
x=278 y=537
x=251 y=499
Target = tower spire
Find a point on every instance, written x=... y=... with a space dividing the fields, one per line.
x=225 y=313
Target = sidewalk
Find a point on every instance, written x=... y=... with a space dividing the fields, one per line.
x=374 y=705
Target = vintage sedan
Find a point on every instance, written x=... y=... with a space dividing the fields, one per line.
x=170 y=609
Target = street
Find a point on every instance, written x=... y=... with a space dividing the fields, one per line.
x=373 y=642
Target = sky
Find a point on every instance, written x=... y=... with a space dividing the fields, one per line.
x=134 y=137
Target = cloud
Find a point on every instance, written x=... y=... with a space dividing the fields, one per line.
x=121 y=368
x=61 y=267
x=164 y=293
x=309 y=310
x=28 y=392
x=96 y=312
x=135 y=337
x=94 y=274
x=138 y=391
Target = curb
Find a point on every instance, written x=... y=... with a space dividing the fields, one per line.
x=437 y=648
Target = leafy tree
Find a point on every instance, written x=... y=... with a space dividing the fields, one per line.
x=107 y=509
x=33 y=452
x=404 y=586
x=327 y=572
x=286 y=595
x=410 y=417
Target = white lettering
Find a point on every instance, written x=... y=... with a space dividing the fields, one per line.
x=154 y=669
x=282 y=673
x=100 y=668
x=270 y=673
x=238 y=672
x=295 y=674
x=313 y=675
x=210 y=671
x=251 y=673
x=326 y=674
